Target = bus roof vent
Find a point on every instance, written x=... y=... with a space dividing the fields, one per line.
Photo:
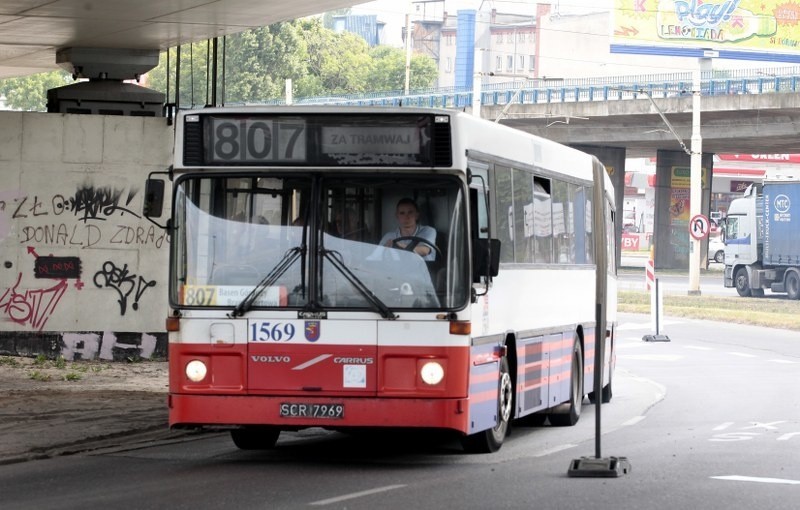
x=442 y=145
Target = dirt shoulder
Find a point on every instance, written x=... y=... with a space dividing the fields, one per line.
x=56 y=407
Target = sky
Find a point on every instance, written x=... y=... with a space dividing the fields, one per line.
x=393 y=12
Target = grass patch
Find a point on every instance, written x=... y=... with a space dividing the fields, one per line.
x=39 y=376
x=770 y=312
x=8 y=361
x=72 y=376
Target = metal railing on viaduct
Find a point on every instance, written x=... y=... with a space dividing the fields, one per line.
x=549 y=90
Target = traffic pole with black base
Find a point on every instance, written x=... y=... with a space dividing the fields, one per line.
x=599 y=466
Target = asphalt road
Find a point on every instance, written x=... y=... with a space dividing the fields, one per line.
x=631 y=276
x=707 y=420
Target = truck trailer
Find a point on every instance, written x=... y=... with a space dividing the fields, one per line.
x=762 y=239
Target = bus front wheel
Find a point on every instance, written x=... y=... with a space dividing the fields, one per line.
x=255 y=438
x=489 y=441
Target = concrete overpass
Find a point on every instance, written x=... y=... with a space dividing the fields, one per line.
x=731 y=124
x=32 y=31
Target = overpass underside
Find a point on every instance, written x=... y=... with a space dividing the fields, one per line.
x=616 y=130
x=734 y=124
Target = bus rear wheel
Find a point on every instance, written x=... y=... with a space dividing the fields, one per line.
x=255 y=438
x=489 y=441
x=572 y=408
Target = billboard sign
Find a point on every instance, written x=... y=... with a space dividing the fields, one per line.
x=739 y=29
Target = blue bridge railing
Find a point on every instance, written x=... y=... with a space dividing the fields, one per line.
x=610 y=88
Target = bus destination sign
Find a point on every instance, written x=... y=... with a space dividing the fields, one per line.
x=268 y=139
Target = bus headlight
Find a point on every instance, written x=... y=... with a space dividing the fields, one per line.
x=196 y=370
x=432 y=373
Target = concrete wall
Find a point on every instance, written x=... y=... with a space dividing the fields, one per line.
x=82 y=274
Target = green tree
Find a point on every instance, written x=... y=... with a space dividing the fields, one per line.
x=389 y=70
x=257 y=62
x=193 y=78
x=261 y=60
x=29 y=93
x=340 y=62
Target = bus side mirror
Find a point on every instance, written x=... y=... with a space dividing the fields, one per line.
x=153 y=198
x=485 y=258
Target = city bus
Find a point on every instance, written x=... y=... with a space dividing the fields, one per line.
x=299 y=297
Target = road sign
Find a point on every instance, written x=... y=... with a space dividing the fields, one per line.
x=699 y=226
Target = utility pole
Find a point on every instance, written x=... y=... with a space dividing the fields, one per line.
x=408 y=52
x=696 y=170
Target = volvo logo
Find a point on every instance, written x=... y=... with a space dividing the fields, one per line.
x=271 y=359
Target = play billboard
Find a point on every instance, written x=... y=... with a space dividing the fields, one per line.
x=767 y=30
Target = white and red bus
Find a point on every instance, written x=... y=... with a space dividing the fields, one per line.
x=286 y=313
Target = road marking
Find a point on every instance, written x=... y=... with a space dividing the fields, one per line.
x=742 y=355
x=555 y=449
x=633 y=421
x=735 y=478
x=651 y=357
x=632 y=343
x=355 y=495
x=783 y=361
x=627 y=326
x=723 y=426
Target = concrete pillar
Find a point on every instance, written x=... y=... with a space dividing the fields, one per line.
x=614 y=160
x=672 y=215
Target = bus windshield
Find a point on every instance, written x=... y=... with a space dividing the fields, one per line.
x=320 y=241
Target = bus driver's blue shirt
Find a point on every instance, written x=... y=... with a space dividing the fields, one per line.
x=425 y=232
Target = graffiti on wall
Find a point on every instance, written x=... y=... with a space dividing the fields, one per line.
x=124 y=282
x=91 y=345
x=57 y=267
x=90 y=217
x=107 y=346
x=31 y=307
x=75 y=221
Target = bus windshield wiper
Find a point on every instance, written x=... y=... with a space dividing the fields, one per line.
x=335 y=259
x=280 y=268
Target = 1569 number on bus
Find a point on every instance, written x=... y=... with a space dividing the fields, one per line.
x=271 y=331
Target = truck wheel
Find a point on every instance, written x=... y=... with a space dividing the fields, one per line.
x=793 y=285
x=742 y=282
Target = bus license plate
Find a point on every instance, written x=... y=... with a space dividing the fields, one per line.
x=294 y=410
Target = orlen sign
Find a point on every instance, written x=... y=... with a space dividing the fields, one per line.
x=775 y=158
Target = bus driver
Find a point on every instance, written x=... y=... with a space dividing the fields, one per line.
x=407 y=215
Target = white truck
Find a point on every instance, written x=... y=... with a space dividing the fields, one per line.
x=762 y=239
